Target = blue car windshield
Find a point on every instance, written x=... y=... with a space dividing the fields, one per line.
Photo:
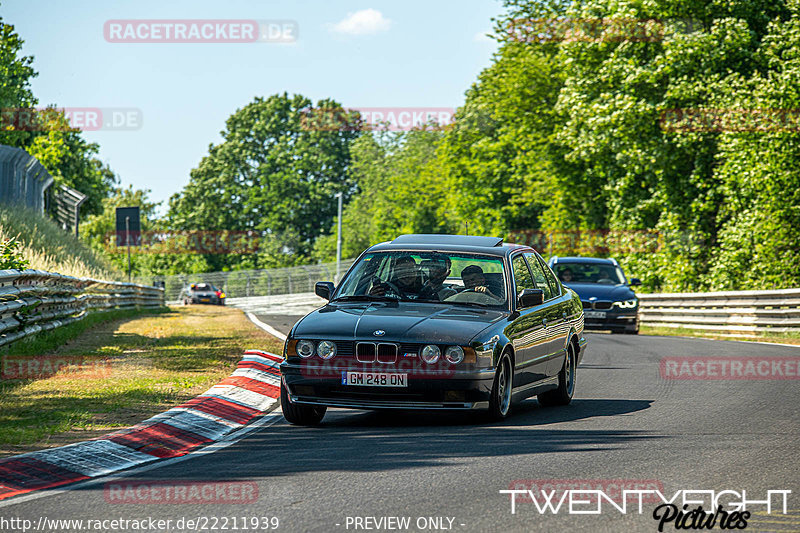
x=450 y=277
x=605 y=274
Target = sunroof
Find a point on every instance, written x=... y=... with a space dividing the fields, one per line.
x=453 y=240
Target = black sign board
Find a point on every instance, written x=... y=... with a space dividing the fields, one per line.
x=128 y=226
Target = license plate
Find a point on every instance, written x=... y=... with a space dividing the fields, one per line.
x=205 y=299
x=374 y=379
x=595 y=314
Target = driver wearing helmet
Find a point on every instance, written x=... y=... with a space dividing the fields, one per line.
x=407 y=278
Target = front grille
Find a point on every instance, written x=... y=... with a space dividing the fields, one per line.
x=602 y=305
x=408 y=348
x=365 y=352
x=345 y=348
x=387 y=353
x=370 y=352
x=586 y=305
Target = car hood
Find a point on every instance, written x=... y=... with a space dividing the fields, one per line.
x=402 y=322
x=602 y=292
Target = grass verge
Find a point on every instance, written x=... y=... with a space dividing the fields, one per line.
x=116 y=373
x=780 y=338
x=48 y=247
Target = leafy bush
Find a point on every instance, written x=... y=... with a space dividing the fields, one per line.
x=11 y=255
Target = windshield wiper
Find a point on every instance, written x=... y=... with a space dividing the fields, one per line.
x=364 y=298
x=473 y=304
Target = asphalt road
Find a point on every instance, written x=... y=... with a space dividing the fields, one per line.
x=626 y=423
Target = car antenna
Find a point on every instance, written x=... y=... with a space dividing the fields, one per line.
x=466 y=227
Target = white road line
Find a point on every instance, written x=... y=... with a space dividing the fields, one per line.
x=265 y=421
x=266 y=327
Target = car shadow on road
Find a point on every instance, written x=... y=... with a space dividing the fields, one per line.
x=385 y=441
x=527 y=413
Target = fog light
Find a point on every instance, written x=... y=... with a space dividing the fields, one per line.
x=430 y=354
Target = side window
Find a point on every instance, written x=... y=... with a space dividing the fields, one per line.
x=522 y=276
x=539 y=277
x=548 y=272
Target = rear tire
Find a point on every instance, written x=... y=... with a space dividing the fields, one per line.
x=500 y=399
x=300 y=415
x=566 y=383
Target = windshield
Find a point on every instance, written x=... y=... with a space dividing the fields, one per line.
x=605 y=274
x=451 y=277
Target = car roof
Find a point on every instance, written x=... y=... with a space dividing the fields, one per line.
x=449 y=243
x=585 y=260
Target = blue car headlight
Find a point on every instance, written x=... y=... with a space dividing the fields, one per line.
x=627 y=304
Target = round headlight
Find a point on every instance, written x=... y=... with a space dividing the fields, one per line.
x=326 y=349
x=305 y=348
x=431 y=354
x=454 y=354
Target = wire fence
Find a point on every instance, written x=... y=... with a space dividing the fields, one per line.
x=248 y=283
x=23 y=180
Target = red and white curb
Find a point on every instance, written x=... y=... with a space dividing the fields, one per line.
x=237 y=401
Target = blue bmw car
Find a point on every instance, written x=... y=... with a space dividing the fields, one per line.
x=608 y=301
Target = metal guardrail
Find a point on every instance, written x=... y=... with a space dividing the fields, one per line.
x=35 y=300
x=731 y=311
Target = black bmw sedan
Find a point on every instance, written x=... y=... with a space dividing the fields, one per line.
x=608 y=301
x=436 y=322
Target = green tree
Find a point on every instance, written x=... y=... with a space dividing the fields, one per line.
x=497 y=152
x=275 y=172
x=46 y=133
x=16 y=73
x=72 y=161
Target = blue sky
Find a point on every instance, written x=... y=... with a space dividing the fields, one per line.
x=381 y=54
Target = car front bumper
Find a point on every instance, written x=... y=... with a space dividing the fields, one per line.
x=462 y=390
x=615 y=321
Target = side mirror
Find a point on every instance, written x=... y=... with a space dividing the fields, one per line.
x=324 y=289
x=635 y=282
x=530 y=298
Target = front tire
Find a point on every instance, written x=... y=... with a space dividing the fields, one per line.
x=300 y=415
x=500 y=399
x=566 y=383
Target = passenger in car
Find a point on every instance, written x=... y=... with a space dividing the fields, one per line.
x=438 y=269
x=475 y=280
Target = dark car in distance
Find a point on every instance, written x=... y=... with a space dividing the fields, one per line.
x=608 y=301
x=202 y=293
x=435 y=322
